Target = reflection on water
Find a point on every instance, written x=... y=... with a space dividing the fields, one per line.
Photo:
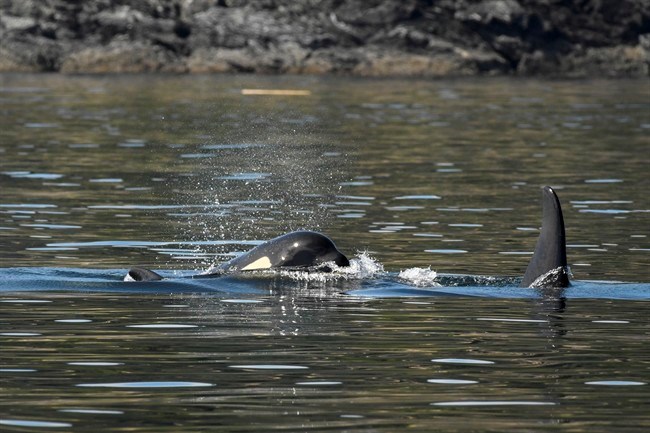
x=301 y=363
x=431 y=186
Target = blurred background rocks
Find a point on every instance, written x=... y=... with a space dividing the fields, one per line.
x=594 y=38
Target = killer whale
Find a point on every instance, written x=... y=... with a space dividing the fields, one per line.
x=300 y=249
x=307 y=249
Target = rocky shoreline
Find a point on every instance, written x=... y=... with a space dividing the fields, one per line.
x=427 y=38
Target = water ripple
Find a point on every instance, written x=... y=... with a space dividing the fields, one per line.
x=493 y=403
x=162 y=326
x=93 y=411
x=500 y=319
x=452 y=381
x=467 y=361
x=20 y=334
x=25 y=301
x=17 y=370
x=152 y=384
x=31 y=423
x=603 y=180
x=30 y=175
x=269 y=367
x=615 y=383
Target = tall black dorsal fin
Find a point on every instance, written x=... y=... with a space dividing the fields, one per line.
x=549 y=259
x=141 y=274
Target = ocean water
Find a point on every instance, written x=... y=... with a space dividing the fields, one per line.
x=432 y=188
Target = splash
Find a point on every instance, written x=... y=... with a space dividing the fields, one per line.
x=264 y=179
x=361 y=267
x=419 y=277
x=364 y=266
x=549 y=279
x=257 y=186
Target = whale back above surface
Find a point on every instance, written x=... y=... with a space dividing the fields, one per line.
x=296 y=250
x=300 y=249
x=548 y=266
x=142 y=274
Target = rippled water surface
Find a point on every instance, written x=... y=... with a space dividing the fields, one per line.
x=431 y=187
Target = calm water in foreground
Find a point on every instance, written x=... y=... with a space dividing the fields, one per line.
x=408 y=177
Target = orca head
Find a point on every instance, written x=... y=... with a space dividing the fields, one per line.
x=306 y=249
x=548 y=267
x=301 y=249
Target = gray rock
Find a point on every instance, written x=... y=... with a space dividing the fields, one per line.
x=373 y=37
x=17 y=24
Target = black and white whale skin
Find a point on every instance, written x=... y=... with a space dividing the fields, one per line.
x=296 y=250
x=312 y=250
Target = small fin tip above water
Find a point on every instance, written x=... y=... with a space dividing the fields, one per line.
x=141 y=274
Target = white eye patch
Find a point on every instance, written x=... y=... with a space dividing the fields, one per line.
x=261 y=263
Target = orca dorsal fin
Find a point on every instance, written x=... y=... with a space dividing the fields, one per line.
x=141 y=274
x=549 y=259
